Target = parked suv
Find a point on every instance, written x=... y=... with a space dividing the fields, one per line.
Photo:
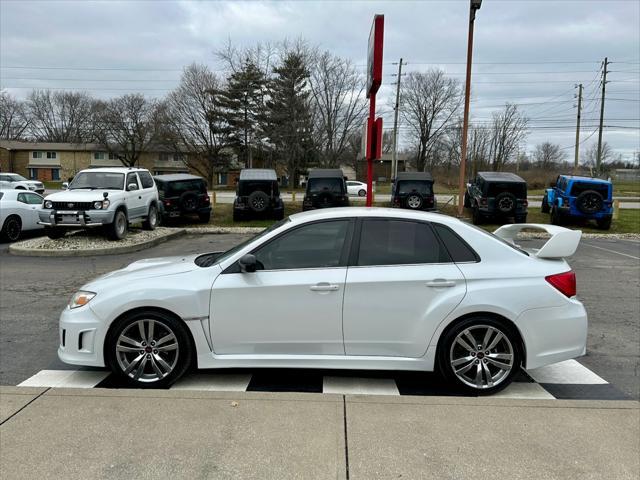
x=257 y=195
x=579 y=197
x=13 y=180
x=413 y=190
x=325 y=188
x=111 y=198
x=181 y=195
x=497 y=195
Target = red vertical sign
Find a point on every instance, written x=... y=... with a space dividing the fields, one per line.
x=374 y=80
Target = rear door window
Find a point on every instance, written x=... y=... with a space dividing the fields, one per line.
x=320 y=185
x=414 y=186
x=145 y=179
x=458 y=249
x=179 y=187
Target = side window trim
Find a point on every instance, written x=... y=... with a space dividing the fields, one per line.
x=444 y=245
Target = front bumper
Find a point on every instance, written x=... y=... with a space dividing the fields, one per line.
x=75 y=218
x=82 y=336
x=553 y=334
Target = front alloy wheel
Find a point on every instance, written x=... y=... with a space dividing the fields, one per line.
x=481 y=356
x=149 y=350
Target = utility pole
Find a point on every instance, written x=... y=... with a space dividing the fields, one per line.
x=604 y=83
x=394 y=153
x=577 y=154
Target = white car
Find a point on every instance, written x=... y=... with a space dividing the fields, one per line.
x=13 y=180
x=110 y=197
x=18 y=213
x=348 y=288
x=356 y=188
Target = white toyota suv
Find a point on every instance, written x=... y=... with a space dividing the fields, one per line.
x=102 y=197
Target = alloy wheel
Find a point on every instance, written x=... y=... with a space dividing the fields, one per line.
x=481 y=356
x=414 y=201
x=13 y=229
x=147 y=350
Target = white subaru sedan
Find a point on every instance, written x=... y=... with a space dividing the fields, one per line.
x=348 y=288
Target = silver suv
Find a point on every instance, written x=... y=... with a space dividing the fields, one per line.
x=102 y=197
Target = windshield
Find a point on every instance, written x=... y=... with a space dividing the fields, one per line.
x=333 y=185
x=414 y=186
x=177 y=188
x=517 y=189
x=240 y=246
x=14 y=177
x=246 y=187
x=98 y=181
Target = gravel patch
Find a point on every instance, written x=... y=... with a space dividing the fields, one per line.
x=88 y=242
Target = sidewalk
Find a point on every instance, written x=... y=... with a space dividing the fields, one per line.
x=99 y=433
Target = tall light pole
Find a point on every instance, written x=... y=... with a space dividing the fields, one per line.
x=474 y=6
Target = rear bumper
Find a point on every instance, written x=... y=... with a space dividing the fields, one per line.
x=553 y=334
x=79 y=218
x=81 y=337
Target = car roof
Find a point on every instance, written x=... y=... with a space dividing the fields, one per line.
x=501 y=177
x=325 y=173
x=172 y=177
x=585 y=179
x=12 y=193
x=414 y=176
x=379 y=212
x=115 y=169
x=258 y=174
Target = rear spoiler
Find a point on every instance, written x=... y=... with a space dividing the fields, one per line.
x=563 y=242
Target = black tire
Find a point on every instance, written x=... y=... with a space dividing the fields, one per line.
x=151 y=221
x=238 y=216
x=188 y=202
x=117 y=230
x=11 y=229
x=258 y=201
x=414 y=201
x=556 y=218
x=362 y=193
x=520 y=219
x=476 y=216
x=467 y=200
x=604 y=223
x=54 y=233
x=545 y=205
x=204 y=217
x=506 y=202
x=589 y=202
x=179 y=359
x=449 y=349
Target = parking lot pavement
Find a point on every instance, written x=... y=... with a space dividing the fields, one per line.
x=34 y=290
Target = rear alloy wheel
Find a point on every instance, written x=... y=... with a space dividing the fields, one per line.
x=149 y=350
x=152 y=219
x=362 y=193
x=480 y=355
x=414 y=202
x=11 y=229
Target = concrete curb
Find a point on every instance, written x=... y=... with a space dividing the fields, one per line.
x=16 y=249
x=223 y=230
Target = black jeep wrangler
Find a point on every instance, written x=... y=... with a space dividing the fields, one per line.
x=257 y=195
x=326 y=188
x=182 y=194
x=497 y=195
x=413 y=190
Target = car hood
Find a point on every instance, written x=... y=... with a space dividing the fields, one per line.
x=80 y=195
x=147 y=268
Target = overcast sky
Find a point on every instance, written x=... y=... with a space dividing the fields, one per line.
x=527 y=52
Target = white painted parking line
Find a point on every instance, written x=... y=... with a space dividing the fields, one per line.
x=568 y=372
x=524 y=390
x=360 y=386
x=213 y=382
x=65 y=378
x=612 y=251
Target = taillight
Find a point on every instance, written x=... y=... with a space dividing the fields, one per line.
x=565 y=283
x=167 y=203
x=483 y=201
x=206 y=199
x=525 y=203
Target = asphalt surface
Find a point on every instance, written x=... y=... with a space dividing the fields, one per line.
x=34 y=290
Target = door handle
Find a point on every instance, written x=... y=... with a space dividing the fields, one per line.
x=324 y=287
x=439 y=283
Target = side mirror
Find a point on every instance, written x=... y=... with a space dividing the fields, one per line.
x=131 y=187
x=248 y=263
x=65 y=185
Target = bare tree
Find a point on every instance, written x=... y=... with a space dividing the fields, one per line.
x=547 y=155
x=197 y=121
x=429 y=104
x=591 y=154
x=60 y=116
x=508 y=130
x=128 y=126
x=338 y=103
x=13 y=117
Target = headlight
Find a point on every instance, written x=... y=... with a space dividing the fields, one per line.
x=101 y=204
x=97 y=205
x=32 y=187
x=80 y=299
x=48 y=204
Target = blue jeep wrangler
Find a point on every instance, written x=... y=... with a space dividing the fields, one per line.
x=579 y=198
